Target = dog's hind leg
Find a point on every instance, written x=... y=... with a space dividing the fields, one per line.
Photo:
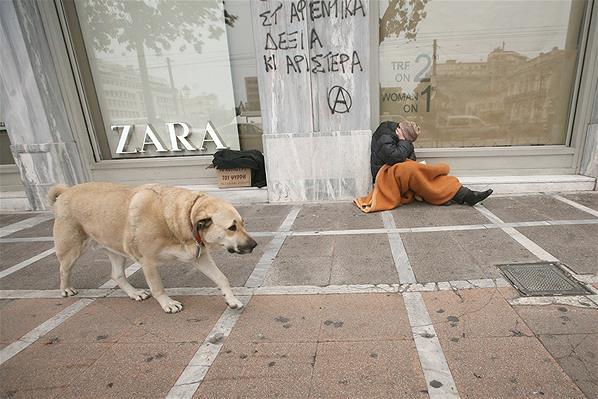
x=69 y=240
x=118 y=275
x=206 y=265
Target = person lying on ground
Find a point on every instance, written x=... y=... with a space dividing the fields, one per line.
x=399 y=179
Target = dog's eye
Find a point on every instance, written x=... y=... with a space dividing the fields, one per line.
x=233 y=227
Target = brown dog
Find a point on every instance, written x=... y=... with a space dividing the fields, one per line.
x=151 y=224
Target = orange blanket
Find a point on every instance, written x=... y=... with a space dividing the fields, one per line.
x=398 y=184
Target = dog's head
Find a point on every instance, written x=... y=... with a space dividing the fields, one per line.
x=220 y=225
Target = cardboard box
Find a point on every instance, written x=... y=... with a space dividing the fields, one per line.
x=238 y=177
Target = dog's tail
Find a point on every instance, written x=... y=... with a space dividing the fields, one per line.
x=55 y=191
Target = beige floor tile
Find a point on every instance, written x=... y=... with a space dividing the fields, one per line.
x=473 y=313
x=21 y=316
x=381 y=369
x=364 y=317
x=266 y=370
x=506 y=367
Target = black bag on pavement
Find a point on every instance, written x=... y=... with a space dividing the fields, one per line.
x=253 y=159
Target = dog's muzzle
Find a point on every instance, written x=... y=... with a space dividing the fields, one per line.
x=246 y=248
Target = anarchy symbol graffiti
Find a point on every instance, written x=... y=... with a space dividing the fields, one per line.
x=339 y=100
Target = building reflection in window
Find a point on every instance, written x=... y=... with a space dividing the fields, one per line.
x=480 y=74
x=158 y=61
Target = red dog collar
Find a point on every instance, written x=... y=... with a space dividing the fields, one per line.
x=197 y=238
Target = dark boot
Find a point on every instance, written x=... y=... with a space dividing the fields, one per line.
x=470 y=197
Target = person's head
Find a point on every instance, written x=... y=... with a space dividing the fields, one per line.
x=410 y=130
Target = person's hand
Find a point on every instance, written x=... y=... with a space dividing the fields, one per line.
x=410 y=130
x=400 y=133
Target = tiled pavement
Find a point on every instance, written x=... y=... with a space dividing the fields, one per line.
x=333 y=316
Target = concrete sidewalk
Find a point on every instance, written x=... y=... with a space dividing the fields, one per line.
x=340 y=304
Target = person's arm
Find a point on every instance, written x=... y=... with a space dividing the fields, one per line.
x=393 y=152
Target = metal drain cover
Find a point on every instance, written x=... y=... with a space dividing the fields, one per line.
x=542 y=279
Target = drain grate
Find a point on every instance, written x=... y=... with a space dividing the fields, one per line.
x=542 y=279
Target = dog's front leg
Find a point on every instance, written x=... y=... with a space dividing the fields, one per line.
x=152 y=276
x=206 y=265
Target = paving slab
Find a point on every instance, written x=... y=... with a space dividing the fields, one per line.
x=462 y=255
x=5 y=302
x=421 y=214
x=302 y=260
x=473 y=313
x=363 y=259
x=43 y=229
x=264 y=210
x=589 y=199
x=20 y=316
x=16 y=252
x=91 y=271
x=559 y=319
x=44 y=368
x=343 y=259
x=363 y=317
x=146 y=370
x=368 y=333
x=237 y=268
x=368 y=244
x=506 y=367
x=299 y=271
x=318 y=318
x=279 y=318
x=335 y=216
x=10 y=218
x=94 y=323
x=307 y=246
x=260 y=370
x=379 y=369
x=575 y=246
x=578 y=356
x=363 y=270
x=570 y=334
x=533 y=208
x=264 y=224
x=126 y=321
x=193 y=324
x=264 y=217
x=509 y=292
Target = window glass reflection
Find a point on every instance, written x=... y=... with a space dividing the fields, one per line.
x=486 y=73
x=158 y=62
x=244 y=74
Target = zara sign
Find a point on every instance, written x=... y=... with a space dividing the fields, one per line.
x=176 y=140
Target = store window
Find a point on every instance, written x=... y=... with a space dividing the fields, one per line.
x=490 y=73
x=160 y=76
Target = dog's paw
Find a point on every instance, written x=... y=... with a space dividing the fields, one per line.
x=234 y=303
x=68 y=292
x=139 y=295
x=172 y=306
